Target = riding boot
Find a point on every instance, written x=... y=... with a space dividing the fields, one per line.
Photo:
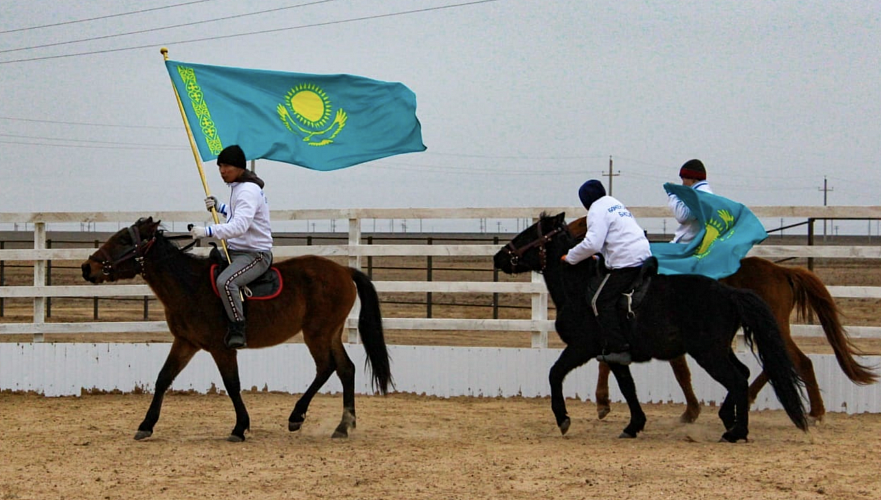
x=617 y=349
x=235 y=335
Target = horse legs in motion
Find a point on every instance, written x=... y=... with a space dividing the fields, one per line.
x=182 y=351
x=683 y=377
x=579 y=350
x=326 y=362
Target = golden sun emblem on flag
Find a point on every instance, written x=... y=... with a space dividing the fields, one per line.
x=715 y=227
x=306 y=111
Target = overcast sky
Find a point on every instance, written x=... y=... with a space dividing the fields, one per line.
x=520 y=100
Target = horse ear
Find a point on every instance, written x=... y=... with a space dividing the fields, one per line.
x=148 y=226
x=560 y=217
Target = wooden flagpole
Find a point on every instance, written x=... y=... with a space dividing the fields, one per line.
x=195 y=150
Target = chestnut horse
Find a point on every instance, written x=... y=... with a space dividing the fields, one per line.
x=316 y=299
x=784 y=289
x=667 y=326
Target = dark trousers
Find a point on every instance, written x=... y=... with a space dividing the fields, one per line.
x=606 y=294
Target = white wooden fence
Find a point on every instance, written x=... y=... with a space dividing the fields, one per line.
x=355 y=250
x=65 y=369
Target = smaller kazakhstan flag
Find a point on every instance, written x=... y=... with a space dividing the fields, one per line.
x=321 y=122
x=730 y=230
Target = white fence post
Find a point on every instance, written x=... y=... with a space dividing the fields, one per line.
x=39 y=280
x=354 y=261
x=540 y=314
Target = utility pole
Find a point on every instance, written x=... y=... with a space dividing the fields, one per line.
x=825 y=190
x=610 y=175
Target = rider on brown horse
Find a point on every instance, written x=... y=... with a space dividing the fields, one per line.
x=248 y=233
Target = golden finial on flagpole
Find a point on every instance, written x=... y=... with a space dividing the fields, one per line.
x=164 y=53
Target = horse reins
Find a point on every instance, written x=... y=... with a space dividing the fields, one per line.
x=517 y=253
x=137 y=251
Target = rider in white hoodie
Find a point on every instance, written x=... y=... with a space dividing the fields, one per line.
x=248 y=235
x=612 y=232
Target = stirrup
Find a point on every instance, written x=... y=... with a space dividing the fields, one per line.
x=619 y=358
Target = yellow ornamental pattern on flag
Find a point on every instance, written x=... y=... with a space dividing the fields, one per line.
x=306 y=111
x=200 y=107
x=715 y=228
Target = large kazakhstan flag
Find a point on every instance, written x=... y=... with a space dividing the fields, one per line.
x=321 y=122
x=730 y=230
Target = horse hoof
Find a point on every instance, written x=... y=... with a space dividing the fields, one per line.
x=564 y=426
x=142 y=435
x=338 y=434
x=294 y=426
x=687 y=418
x=602 y=412
x=235 y=439
x=730 y=438
x=626 y=435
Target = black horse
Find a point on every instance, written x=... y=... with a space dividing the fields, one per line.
x=679 y=314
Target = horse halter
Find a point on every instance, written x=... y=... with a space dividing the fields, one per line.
x=517 y=253
x=137 y=250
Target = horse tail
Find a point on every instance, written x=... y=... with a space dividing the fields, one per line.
x=808 y=290
x=760 y=330
x=372 y=336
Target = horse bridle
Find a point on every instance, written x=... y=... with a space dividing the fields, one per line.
x=517 y=253
x=137 y=250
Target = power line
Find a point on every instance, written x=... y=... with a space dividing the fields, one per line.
x=117 y=143
x=89 y=124
x=138 y=32
x=262 y=32
x=136 y=147
x=102 y=17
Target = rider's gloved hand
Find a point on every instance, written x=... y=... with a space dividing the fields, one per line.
x=200 y=232
x=211 y=202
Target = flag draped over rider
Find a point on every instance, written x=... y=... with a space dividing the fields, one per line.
x=729 y=231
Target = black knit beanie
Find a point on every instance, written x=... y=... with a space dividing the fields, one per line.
x=693 y=169
x=590 y=192
x=232 y=155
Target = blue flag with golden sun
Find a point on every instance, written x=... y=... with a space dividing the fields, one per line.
x=729 y=231
x=321 y=122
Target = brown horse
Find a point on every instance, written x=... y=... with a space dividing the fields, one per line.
x=317 y=297
x=784 y=289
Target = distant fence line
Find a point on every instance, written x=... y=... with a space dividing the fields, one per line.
x=356 y=249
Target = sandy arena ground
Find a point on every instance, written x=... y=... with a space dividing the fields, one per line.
x=416 y=447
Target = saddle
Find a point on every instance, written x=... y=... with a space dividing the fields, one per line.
x=630 y=302
x=267 y=286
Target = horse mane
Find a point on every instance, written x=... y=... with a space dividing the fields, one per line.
x=178 y=262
